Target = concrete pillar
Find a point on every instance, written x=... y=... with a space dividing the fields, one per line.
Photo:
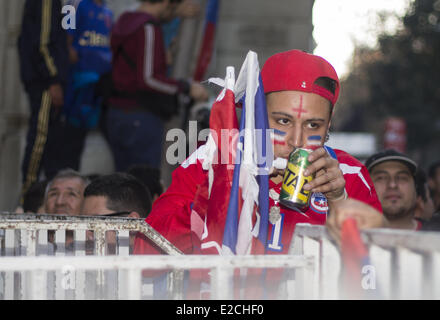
x=265 y=27
x=13 y=105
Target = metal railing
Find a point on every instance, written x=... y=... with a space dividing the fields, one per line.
x=41 y=235
x=128 y=282
x=404 y=264
x=28 y=234
x=41 y=260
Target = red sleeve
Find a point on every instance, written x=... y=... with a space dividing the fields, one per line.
x=171 y=212
x=152 y=71
x=358 y=183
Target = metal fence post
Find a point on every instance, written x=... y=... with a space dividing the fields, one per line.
x=410 y=275
x=175 y=284
x=221 y=283
x=80 y=275
x=381 y=260
x=330 y=270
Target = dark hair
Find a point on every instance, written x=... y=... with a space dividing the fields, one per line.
x=149 y=176
x=34 y=196
x=123 y=191
x=328 y=84
x=433 y=168
x=421 y=181
x=93 y=176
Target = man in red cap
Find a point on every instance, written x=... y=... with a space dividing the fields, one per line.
x=301 y=91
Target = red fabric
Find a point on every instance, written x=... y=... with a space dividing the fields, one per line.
x=223 y=119
x=354 y=185
x=205 y=52
x=130 y=32
x=419 y=225
x=171 y=213
x=352 y=247
x=354 y=255
x=306 y=69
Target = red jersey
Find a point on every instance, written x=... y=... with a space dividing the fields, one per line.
x=171 y=213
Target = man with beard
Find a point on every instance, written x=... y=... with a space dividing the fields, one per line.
x=393 y=175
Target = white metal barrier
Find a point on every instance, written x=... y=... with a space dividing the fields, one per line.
x=128 y=283
x=42 y=234
x=58 y=235
x=404 y=264
x=41 y=260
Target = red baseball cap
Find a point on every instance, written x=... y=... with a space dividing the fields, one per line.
x=297 y=70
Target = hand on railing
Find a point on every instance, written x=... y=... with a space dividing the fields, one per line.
x=366 y=217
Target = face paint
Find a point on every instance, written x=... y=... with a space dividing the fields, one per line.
x=300 y=110
x=278 y=137
x=313 y=142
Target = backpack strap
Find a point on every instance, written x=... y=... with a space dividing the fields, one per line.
x=121 y=51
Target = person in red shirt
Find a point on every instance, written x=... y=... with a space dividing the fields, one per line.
x=301 y=91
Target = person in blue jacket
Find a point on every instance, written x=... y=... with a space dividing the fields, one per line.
x=90 y=57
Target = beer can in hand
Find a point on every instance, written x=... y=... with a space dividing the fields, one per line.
x=292 y=193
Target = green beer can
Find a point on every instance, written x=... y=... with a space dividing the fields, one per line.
x=292 y=193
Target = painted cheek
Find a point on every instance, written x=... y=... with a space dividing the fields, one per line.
x=278 y=137
x=313 y=141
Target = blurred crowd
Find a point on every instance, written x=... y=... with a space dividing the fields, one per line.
x=87 y=71
x=115 y=76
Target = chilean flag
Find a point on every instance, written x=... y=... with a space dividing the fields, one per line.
x=248 y=211
x=234 y=202
x=207 y=46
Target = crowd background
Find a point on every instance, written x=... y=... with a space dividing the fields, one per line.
x=241 y=31
x=368 y=111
